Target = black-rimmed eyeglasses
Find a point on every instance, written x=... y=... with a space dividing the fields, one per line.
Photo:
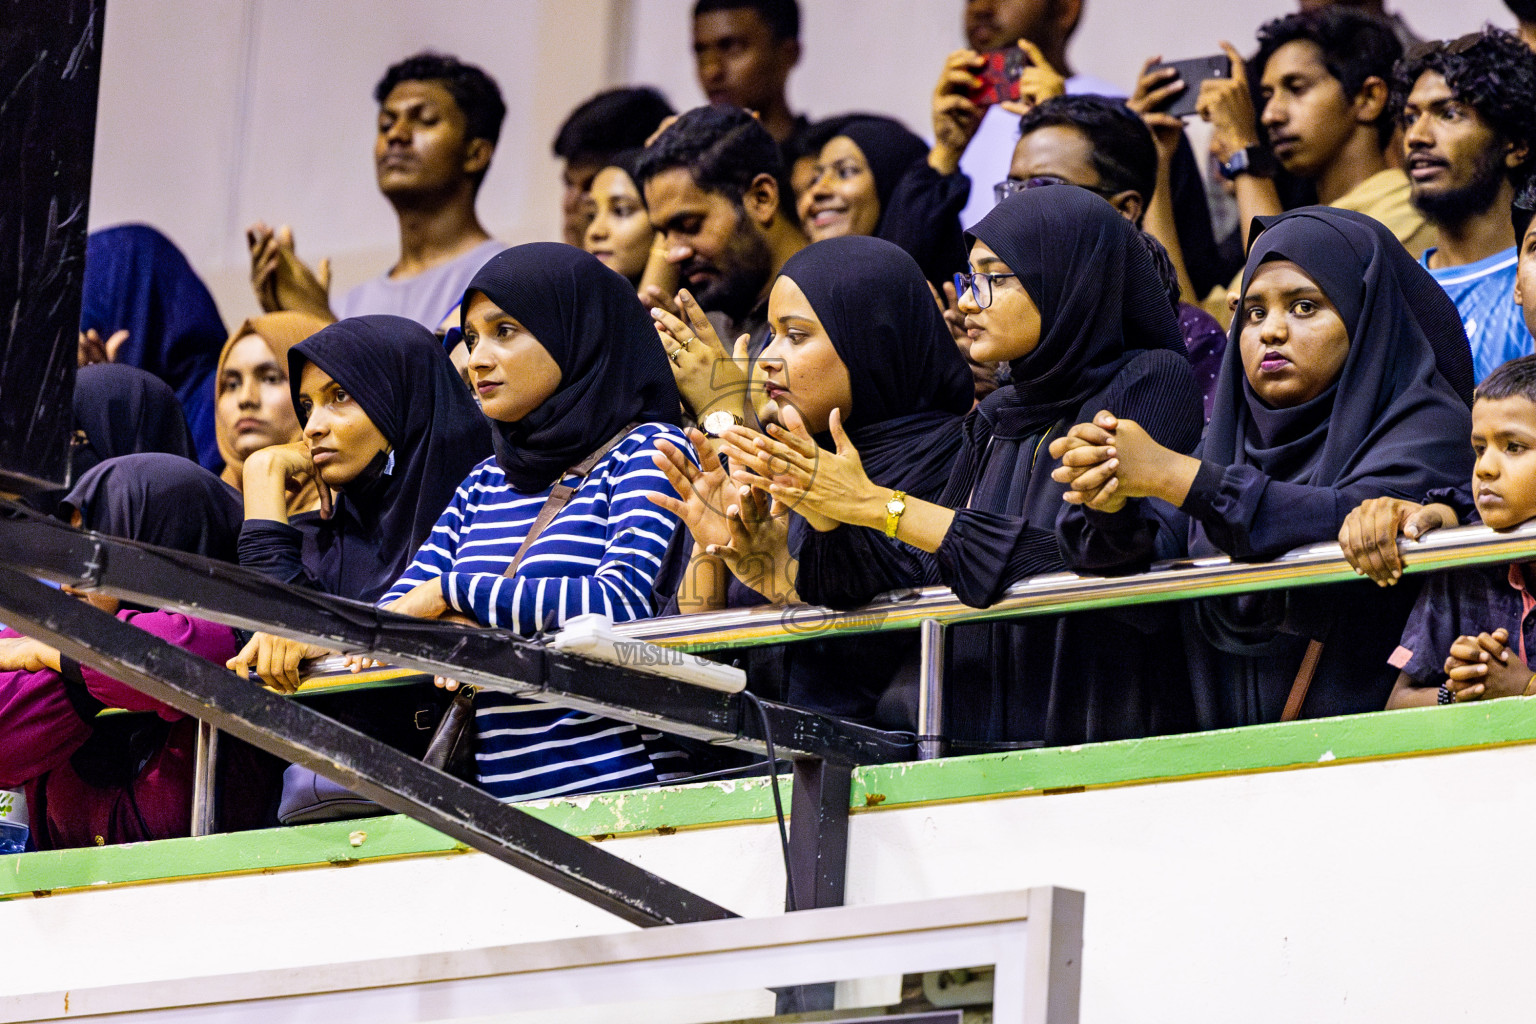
x=980 y=286
x=1013 y=186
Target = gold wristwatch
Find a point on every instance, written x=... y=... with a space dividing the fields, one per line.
x=719 y=421
x=894 y=507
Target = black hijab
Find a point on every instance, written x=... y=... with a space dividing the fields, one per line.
x=165 y=500
x=889 y=149
x=404 y=381
x=909 y=382
x=613 y=370
x=136 y=279
x=122 y=410
x=1398 y=410
x=1101 y=301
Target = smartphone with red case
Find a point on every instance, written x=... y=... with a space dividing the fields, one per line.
x=1000 y=76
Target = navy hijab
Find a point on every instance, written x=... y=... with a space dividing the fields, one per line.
x=910 y=385
x=1399 y=410
x=161 y=499
x=889 y=149
x=404 y=381
x=613 y=369
x=1101 y=300
x=136 y=279
x=121 y=410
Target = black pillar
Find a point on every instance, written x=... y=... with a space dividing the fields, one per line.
x=50 y=65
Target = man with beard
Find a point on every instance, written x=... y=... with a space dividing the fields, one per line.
x=1469 y=124
x=719 y=199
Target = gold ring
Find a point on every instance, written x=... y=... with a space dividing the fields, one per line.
x=673 y=356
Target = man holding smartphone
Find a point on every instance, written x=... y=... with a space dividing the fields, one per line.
x=978 y=141
x=1325 y=117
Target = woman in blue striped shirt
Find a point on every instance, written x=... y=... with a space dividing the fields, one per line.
x=565 y=363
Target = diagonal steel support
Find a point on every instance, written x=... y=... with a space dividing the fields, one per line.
x=376 y=771
x=495 y=659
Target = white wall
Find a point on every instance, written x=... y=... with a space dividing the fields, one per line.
x=217 y=113
x=1384 y=891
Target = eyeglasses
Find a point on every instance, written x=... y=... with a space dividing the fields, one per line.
x=1013 y=186
x=980 y=286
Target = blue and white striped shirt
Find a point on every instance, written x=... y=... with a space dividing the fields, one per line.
x=600 y=554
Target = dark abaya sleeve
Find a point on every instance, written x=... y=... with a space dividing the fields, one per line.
x=985 y=552
x=1253 y=516
x=1116 y=543
x=1459 y=498
x=277 y=550
x=849 y=566
x=923 y=217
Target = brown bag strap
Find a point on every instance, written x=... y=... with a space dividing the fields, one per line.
x=561 y=495
x=1303 y=680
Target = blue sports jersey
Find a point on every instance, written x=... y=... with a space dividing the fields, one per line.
x=1484 y=293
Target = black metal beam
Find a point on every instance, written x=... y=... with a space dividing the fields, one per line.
x=818 y=832
x=818 y=858
x=495 y=659
x=376 y=771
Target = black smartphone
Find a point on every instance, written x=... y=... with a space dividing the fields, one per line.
x=1000 y=76
x=1192 y=72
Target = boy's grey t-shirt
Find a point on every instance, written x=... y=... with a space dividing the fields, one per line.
x=425 y=298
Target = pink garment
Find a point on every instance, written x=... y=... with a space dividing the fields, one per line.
x=42 y=731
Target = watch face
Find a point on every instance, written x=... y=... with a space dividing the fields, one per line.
x=716 y=422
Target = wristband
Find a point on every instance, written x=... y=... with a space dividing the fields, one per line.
x=1527 y=691
x=1254 y=160
x=1444 y=695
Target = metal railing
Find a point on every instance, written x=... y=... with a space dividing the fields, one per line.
x=1061 y=593
x=932 y=609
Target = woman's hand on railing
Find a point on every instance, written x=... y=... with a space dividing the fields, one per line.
x=276 y=660
x=423 y=601
x=1369 y=535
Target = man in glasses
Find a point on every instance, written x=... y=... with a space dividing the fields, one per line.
x=1096 y=143
x=1468 y=114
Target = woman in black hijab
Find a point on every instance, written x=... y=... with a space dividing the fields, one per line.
x=1347 y=377
x=863 y=303
x=872 y=178
x=1070 y=298
x=121 y=409
x=573 y=378
x=126 y=778
x=392 y=431
x=393 y=469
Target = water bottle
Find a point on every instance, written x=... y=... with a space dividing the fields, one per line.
x=13 y=821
